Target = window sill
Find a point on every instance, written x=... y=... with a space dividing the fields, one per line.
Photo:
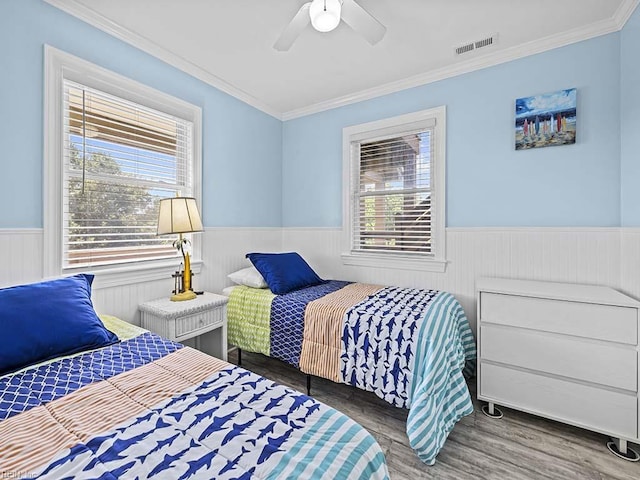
x=399 y=262
x=107 y=277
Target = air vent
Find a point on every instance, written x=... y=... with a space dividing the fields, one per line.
x=470 y=47
x=465 y=48
x=484 y=43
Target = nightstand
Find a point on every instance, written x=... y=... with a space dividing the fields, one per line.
x=200 y=323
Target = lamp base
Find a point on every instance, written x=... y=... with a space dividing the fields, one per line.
x=181 y=297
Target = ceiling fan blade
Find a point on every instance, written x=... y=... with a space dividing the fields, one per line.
x=294 y=29
x=362 y=22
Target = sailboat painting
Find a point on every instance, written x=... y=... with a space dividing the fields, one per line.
x=546 y=120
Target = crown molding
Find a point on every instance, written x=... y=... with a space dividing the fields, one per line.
x=478 y=62
x=624 y=12
x=93 y=18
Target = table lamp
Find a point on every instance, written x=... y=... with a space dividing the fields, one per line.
x=180 y=215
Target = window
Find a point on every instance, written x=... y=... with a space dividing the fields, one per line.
x=394 y=192
x=114 y=148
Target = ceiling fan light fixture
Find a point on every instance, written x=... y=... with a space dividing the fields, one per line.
x=325 y=14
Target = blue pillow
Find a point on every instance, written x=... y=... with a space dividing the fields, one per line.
x=45 y=320
x=284 y=272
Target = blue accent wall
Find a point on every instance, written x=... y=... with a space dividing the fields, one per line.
x=488 y=182
x=242 y=146
x=630 y=122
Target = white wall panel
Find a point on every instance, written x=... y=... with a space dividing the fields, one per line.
x=602 y=256
x=630 y=261
x=223 y=252
x=580 y=255
x=20 y=256
x=123 y=301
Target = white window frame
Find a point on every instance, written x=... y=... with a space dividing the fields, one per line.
x=59 y=66
x=351 y=137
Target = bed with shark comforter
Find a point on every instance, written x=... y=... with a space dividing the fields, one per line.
x=411 y=347
x=142 y=407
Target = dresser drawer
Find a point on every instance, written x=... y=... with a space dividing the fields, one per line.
x=608 y=364
x=582 y=405
x=603 y=322
x=190 y=325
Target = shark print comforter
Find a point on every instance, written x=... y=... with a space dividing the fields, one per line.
x=408 y=346
x=148 y=408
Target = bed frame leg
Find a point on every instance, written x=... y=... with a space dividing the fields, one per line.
x=308 y=385
x=239 y=357
x=619 y=448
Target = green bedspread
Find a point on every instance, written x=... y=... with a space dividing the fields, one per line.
x=249 y=313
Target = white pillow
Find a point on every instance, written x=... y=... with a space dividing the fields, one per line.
x=248 y=276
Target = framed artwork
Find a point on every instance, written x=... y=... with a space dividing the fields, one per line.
x=546 y=120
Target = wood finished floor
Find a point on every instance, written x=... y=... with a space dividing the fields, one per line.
x=519 y=446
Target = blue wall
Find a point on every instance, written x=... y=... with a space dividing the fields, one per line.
x=258 y=171
x=242 y=147
x=630 y=124
x=488 y=182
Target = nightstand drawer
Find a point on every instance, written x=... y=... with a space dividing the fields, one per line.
x=190 y=325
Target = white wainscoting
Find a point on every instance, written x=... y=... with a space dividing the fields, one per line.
x=20 y=256
x=602 y=256
x=630 y=261
x=223 y=252
x=580 y=255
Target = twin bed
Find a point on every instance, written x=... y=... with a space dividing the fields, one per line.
x=411 y=347
x=140 y=406
x=89 y=397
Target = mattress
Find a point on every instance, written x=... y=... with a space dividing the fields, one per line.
x=408 y=346
x=147 y=407
x=226 y=291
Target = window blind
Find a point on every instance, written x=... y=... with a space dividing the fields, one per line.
x=392 y=198
x=120 y=159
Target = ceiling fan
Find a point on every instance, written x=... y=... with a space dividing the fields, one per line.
x=325 y=15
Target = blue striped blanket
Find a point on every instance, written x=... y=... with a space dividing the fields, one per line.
x=439 y=396
x=410 y=347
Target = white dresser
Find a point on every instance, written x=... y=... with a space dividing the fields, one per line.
x=562 y=351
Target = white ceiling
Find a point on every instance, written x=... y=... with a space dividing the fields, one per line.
x=229 y=42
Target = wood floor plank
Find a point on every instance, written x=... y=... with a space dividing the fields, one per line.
x=575 y=445
x=518 y=447
x=499 y=446
x=479 y=463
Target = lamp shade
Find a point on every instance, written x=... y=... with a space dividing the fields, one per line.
x=179 y=215
x=325 y=14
